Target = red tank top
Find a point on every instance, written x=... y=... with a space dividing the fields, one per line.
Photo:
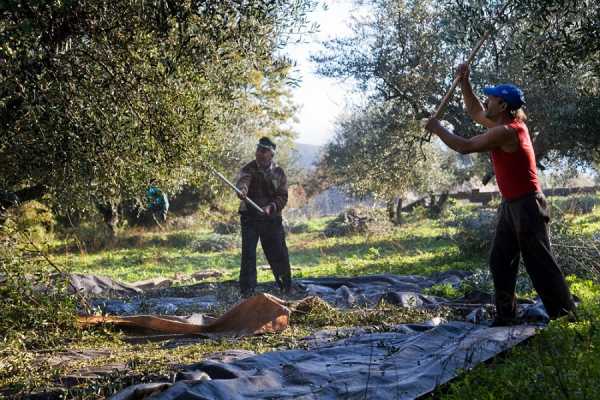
x=516 y=172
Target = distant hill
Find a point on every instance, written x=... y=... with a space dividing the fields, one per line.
x=307 y=154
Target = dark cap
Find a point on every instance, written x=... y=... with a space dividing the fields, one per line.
x=511 y=94
x=266 y=143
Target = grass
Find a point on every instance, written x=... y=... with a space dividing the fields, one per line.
x=161 y=362
x=588 y=224
x=561 y=362
x=419 y=246
x=414 y=248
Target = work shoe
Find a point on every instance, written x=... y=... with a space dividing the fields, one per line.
x=288 y=291
x=570 y=316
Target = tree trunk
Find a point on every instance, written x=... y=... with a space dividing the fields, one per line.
x=390 y=210
x=110 y=215
x=437 y=206
x=394 y=208
x=398 y=214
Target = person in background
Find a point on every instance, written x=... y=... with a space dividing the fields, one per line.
x=266 y=184
x=158 y=203
x=522 y=228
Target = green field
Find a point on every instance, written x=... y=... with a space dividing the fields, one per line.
x=419 y=246
x=413 y=248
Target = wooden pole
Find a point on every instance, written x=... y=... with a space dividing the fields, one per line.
x=446 y=99
x=238 y=191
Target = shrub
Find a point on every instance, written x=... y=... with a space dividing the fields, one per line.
x=474 y=231
x=214 y=242
x=131 y=241
x=180 y=239
x=576 y=253
x=317 y=313
x=576 y=205
x=353 y=221
x=89 y=236
x=304 y=225
x=481 y=281
x=36 y=219
x=299 y=227
x=182 y=222
x=445 y=290
x=36 y=307
x=226 y=227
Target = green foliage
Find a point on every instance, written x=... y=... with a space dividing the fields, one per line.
x=408 y=53
x=474 y=230
x=482 y=281
x=35 y=305
x=562 y=34
x=227 y=227
x=394 y=166
x=353 y=221
x=552 y=57
x=88 y=236
x=97 y=100
x=35 y=219
x=317 y=224
x=578 y=204
x=402 y=68
x=416 y=247
x=445 y=290
x=576 y=246
x=420 y=247
x=571 y=235
x=299 y=227
x=37 y=311
x=215 y=243
x=316 y=313
x=178 y=240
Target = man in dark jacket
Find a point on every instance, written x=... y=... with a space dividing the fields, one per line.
x=265 y=183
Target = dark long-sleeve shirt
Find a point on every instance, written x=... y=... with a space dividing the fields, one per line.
x=264 y=186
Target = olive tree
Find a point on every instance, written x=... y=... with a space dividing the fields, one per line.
x=98 y=98
x=403 y=57
x=401 y=63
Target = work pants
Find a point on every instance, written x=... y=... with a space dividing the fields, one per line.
x=272 y=239
x=523 y=230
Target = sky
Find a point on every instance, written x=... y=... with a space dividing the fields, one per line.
x=320 y=99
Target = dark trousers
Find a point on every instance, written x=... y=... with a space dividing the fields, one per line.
x=523 y=228
x=272 y=239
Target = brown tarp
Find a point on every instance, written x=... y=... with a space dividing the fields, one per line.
x=261 y=313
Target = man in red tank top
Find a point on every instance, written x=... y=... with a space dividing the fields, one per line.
x=522 y=228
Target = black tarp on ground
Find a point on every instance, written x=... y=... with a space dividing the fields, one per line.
x=403 y=290
x=405 y=363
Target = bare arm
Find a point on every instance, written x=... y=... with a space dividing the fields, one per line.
x=472 y=104
x=493 y=138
